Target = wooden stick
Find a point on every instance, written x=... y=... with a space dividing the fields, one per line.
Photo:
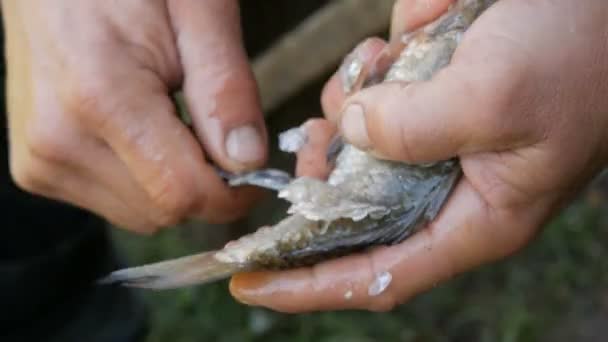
x=316 y=45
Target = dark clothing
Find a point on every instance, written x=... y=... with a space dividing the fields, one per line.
x=50 y=256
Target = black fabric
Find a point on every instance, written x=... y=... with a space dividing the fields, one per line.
x=50 y=256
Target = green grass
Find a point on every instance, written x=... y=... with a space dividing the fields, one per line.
x=526 y=298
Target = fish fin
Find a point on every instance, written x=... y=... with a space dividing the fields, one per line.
x=440 y=195
x=428 y=209
x=181 y=272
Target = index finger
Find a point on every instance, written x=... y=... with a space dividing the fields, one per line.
x=141 y=126
x=466 y=234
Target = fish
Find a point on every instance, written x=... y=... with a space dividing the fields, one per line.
x=365 y=202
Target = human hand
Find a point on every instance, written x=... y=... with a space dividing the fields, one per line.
x=90 y=116
x=523 y=104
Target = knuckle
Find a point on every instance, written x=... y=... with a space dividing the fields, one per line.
x=84 y=97
x=28 y=177
x=173 y=201
x=320 y=126
x=391 y=133
x=407 y=145
x=228 y=207
x=86 y=100
x=44 y=143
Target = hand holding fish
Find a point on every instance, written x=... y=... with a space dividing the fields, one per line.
x=522 y=104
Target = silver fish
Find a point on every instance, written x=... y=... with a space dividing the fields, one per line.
x=365 y=202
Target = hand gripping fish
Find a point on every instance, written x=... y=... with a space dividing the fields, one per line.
x=365 y=202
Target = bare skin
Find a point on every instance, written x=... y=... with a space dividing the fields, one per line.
x=90 y=116
x=524 y=106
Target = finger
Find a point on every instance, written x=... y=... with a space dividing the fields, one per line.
x=312 y=157
x=408 y=15
x=467 y=234
x=220 y=91
x=46 y=162
x=141 y=126
x=334 y=93
x=332 y=98
x=106 y=170
x=478 y=103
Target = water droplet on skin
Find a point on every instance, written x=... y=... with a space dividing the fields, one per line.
x=380 y=284
x=348 y=295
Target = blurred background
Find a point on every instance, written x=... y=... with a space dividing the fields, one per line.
x=554 y=290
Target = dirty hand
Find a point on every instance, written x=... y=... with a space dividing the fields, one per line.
x=90 y=116
x=524 y=106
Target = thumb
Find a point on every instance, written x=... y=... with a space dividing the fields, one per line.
x=475 y=104
x=219 y=88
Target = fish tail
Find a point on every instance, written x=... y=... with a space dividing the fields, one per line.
x=185 y=271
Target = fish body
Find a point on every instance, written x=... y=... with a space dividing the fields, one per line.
x=365 y=202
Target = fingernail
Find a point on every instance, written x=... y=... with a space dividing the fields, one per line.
x=352 y=72
x=245 y=145
x=241 y=299
x=245 y=286
x=354 y=127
